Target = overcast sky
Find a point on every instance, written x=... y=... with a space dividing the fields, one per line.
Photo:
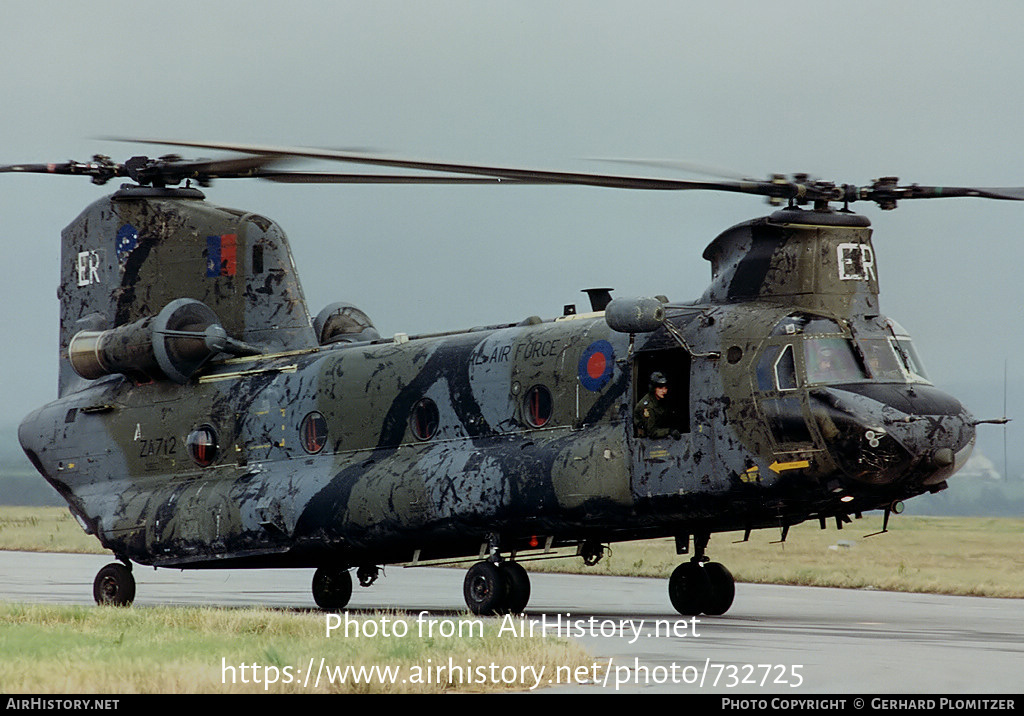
x=927 y=91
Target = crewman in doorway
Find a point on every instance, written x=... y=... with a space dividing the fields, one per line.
x=651 y=416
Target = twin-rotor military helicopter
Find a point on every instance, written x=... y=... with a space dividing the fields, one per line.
x=205 y=419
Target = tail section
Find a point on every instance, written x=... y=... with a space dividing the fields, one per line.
x=129 y=255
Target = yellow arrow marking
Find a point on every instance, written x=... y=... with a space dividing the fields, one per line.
x=794 y=465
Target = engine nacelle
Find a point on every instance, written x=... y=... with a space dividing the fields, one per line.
x=173 y=344
x=635 y=315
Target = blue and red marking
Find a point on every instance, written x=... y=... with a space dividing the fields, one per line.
x=221 y=255
x=596 y=365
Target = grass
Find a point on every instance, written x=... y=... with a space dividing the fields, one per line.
x=77 y=650
x=981 y=556
x=44 y=529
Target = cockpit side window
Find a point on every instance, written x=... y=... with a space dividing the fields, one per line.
x=776 y=370
x=785 y=369
x=909 y=364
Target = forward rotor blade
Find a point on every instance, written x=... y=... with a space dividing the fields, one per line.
x=1010 y=193
x=285 y=177
x=776 y=189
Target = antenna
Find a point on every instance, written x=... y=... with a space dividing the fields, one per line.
x=1006 y=470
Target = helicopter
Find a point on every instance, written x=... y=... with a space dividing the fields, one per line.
x=206 y=419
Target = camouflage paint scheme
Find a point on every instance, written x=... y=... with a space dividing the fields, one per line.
x=753 y=452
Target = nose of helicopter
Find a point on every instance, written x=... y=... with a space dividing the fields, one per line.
x=913 y=435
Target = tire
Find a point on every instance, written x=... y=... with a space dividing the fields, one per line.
x=485 y=589
x=722 y=589
x=332 y=588
x=689 y=589
x=518 y=587
x=114 y=585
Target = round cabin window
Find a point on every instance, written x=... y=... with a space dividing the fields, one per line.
x=313 y=432
x=424 y=419
x=538 y=404
x=202 y=445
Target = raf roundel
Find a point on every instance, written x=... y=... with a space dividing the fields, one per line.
x=596 y=363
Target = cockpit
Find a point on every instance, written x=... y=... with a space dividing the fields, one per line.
x=863 y=396
x=805 y=350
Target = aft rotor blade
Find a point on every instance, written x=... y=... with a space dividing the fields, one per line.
x=53 y=168
x=231 y=168
x=100 y=170
x=145 y=170
x=691 y=167
x=172 y=170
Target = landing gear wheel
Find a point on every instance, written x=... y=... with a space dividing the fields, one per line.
x=722 y=589
x=114 y=585
x=485 y=589
x=518 y=587
x=332 y=588
x=689 y=588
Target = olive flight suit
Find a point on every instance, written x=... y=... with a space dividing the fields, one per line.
x=651 y=417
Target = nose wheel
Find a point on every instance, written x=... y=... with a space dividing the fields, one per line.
x=502 y=588
x=699 y=586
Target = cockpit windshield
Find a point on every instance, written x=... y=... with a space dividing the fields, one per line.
x=831 y=360
x=881 y=359
x=834 y=356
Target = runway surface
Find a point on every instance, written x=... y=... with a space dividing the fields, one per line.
x=840 y=641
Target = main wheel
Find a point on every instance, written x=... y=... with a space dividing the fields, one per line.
x=114 y=585
x=485 y=589
x=518 y=587
x=722 y=589
x=689 y=589
x=332 y=588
